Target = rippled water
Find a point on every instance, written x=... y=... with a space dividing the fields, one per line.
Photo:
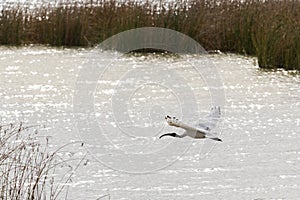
x=258 y=158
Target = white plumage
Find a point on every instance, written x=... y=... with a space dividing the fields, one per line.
x=201 y=130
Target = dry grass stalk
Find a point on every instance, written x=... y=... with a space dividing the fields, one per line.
x=27 y=168
x=268 y=29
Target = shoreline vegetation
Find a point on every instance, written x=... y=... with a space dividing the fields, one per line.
x=28 y=169
x=267 y=29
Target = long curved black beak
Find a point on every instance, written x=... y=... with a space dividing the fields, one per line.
x=168 y=134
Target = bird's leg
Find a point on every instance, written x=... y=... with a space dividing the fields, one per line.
x=216 y=139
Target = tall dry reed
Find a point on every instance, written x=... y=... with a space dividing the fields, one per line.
x=27 y=168
x=268 y=29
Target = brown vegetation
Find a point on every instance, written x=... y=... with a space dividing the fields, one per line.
x=267 y=29
x=27 y=168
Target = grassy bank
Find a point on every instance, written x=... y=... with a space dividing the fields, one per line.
x=267 y=29
x=27 y=167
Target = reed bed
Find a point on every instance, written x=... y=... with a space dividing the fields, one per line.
x=268 y=29
x=27 y=168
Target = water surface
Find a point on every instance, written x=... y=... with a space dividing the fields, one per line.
x=258 y=158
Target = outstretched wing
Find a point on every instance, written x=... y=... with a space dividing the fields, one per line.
x=211 y=120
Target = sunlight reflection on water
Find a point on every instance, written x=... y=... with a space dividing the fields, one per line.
x=260 y=150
